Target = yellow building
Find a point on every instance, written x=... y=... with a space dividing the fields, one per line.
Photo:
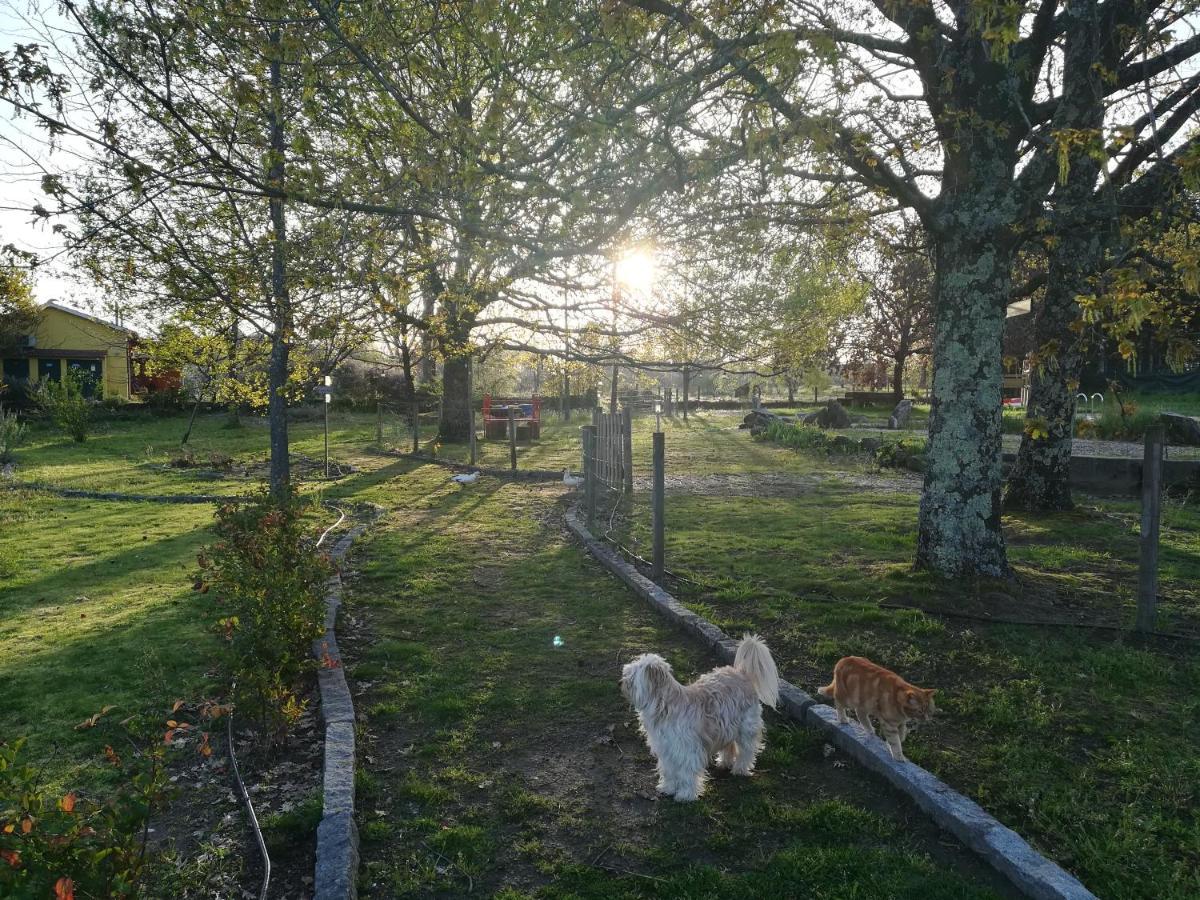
x=69 y=340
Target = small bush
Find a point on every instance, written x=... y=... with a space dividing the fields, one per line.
x=66 y=405
x=803 y=437
x=12 y=435
x=1119 y=422
x=20 y=394
x=904 y=454
x=68 y=845
x=185 y=458
x=268 y=581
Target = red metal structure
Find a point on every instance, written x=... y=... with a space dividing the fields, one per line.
x=528 y=418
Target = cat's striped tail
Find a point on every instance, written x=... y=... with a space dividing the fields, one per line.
x=828 y=690
x=753 y=660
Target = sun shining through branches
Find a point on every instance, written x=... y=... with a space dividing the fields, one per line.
x=635 y=272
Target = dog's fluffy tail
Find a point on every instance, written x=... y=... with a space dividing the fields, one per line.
x=753 y=660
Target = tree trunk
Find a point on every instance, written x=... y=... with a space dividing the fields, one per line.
x=687 y=379
x=234 y=404
x=280 y=474
x=187 y=434
x=791 y=393
x=427 y=366
x=281 y=334
x=1041 y=477
x=898 y=379
x=455 y=425
x=959 y=522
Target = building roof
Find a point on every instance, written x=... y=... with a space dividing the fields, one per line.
x=74 y=312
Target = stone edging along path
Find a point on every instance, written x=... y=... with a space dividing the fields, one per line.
x=1004 y=849
x=336 y=875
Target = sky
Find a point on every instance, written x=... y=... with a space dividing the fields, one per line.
x=22 y=147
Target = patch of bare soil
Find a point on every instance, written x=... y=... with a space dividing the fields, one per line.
x=204 y=835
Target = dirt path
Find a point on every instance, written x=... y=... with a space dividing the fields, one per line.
x=499 y=759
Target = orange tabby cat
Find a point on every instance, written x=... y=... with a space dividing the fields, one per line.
x=872 y=690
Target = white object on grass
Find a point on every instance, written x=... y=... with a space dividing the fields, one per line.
x=465 y=477
x=572 y=481
x=558 y=641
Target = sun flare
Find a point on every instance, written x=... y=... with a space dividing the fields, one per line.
x=635 y=270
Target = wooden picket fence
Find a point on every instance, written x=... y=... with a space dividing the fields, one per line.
x=607 y=457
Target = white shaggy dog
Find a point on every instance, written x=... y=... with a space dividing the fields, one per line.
x=719 y=713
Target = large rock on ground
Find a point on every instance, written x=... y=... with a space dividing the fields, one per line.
x=899 y=417
x=1182 y=429
x=834 y=415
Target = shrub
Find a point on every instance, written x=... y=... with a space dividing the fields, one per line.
x=268 y=581
x=904 y=454
x=68 y=845
x=66 y=405
x=1120 y=422
x=12 y=435
x=804 y=437
x=185 y=458
x=19 y=394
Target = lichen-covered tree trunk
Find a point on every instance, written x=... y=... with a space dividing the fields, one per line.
x=959 y=523
x=1041 y=478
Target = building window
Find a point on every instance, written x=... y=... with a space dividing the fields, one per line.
x=16 y=370
x=89 y=372
x=49 y=369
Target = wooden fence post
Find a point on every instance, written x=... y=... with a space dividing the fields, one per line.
x=589 y=473
x=1152 y=470
x=627 y=449
x=378 y=422
x=659 y=503
x=415 y=411
x=512 y=437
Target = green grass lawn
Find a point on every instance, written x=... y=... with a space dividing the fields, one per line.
x=498 y=764
x=95 y=609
